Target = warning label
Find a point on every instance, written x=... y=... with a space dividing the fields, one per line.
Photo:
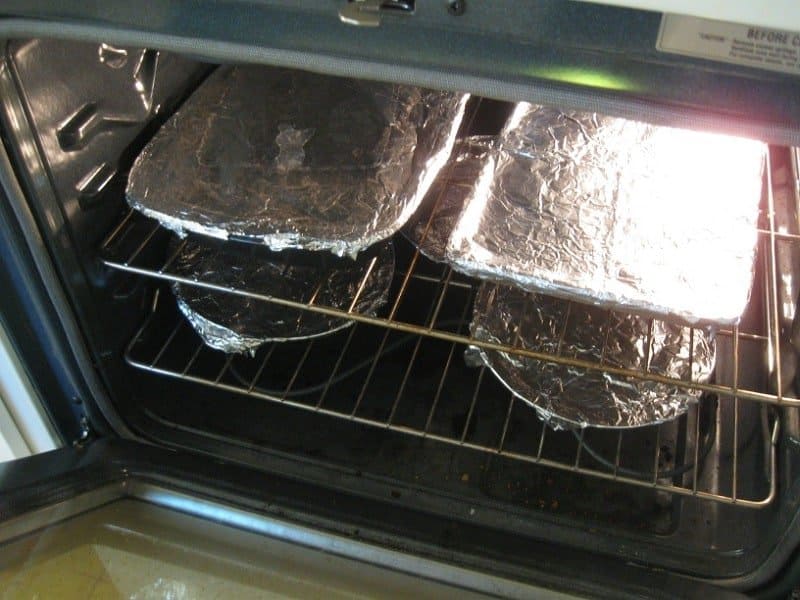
x=758 y=47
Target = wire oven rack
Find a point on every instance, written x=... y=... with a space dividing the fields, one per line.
x=136 y=245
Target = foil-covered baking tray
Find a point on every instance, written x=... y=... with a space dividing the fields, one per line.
x=571 y=397
x=292 y=159
x=430 y=227
x=238 y=324
x=617 y=213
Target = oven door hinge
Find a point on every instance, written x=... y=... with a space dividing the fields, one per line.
x=368 y=13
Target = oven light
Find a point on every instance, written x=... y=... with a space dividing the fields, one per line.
x=700 y=199
x=585 y=77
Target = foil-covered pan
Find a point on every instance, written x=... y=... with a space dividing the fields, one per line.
x=616 y=213
x=292 y=159
x=429 y=228
x=240 y=324
x=572 y=397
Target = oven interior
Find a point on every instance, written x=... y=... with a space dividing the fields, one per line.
x=390 y=407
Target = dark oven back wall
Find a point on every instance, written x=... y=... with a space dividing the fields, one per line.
x=76 y=116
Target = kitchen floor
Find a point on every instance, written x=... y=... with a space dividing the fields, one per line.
x=131 y=549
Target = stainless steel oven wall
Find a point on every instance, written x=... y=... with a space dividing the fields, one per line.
x=78 y=114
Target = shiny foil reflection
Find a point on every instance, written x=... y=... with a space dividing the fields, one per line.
x=616 y=213
x=240 y=324
x=430 y=227
x=291 y=159
x=567 y=396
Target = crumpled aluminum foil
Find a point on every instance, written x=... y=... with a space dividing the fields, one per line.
x=298 y=160
x=617 y=213
x=240 y=324
x=429 y=229
x=570 y=397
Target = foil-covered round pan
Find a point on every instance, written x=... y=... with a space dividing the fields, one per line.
x=429 y=229
x=571 y=397
x=292 y=159
x=239 y=324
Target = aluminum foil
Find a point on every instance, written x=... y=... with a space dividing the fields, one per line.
x=240 y=324
x=617 y=213
x=429 y=229
x=573 y=397
x=298 y=160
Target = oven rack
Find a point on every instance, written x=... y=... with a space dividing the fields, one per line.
x=716 y=462
x=136 y=245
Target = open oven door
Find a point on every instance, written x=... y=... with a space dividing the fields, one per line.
x=133 y=520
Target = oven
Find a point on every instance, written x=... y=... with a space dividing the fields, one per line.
x=382 y=441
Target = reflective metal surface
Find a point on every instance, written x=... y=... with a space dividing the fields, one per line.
x=128 y=257
x=148 y=542
x=571 y=397
x=89 y=102
x=432 y=224
x=234 y=323
x=616 y=213
x=445 y=282
x=296 y=160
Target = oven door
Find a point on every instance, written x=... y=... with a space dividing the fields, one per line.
x=133 y=519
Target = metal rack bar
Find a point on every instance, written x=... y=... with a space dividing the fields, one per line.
x=336 y=365
x=115 y=233
x=224 y=368
x=502 y=441
x=172 y=335
x=175 y=253
x=735 y=414
x=472 y=405
x=541 y=442
x=446 y=369
x=433 y=314
x=696 y=448
x=261 y=368
x=362 y=284
x=658 y=456
x=144 y=243
x=297 y=370
x=370 y=373
x=772 y=286
x=576 y=466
